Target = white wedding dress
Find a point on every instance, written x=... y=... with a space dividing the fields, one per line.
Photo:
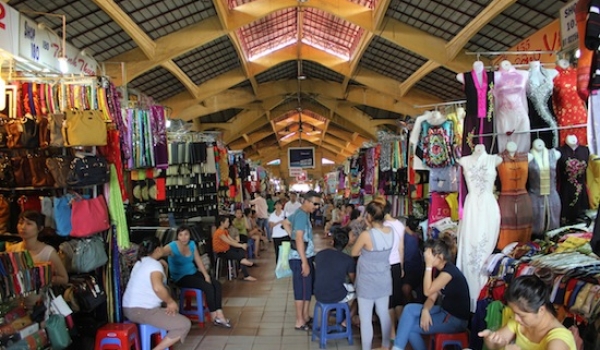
x=480 y=225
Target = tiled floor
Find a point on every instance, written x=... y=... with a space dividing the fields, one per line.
x=262 y=315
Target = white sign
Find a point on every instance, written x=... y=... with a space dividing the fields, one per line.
x=295 y=172
x=9 y=29
x=568 y=25
x=43 y=47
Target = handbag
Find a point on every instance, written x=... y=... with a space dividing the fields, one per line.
x=30 y=136
x=7 y=177
x=59 y=167
x=283 y=269
x=89 y=216
x=21 y=171
x=14 y=130
x=57 y=331
x=40 y=174
x=62 y=214
x=84 y=128
x=43 y=131
x=4 y=214
x=88 y=293
x=30 y=203
x=55 y=124
x=89 y=170
x=89 y=255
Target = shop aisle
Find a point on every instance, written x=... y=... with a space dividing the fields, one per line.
x=262 y=315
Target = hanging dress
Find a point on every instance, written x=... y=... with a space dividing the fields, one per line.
x=510 y=106
x=572 y=167
x=542 y=191
x=568 y=106
x=478 y=118
x=541 y=114
x=515 y=204
x=593 y=181
x=480 y=224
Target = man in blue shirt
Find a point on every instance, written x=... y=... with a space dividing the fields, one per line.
x=332 y=269
x=299 y=226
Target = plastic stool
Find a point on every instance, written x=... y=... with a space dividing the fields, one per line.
x=146 y=332
x=231 y=267
x=441 y=340
x=117 y=335
x=186 y=308
x=321 y=328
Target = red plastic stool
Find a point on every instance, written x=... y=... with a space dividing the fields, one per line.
x=440 y=340
x=120 y=336
x=199 y=312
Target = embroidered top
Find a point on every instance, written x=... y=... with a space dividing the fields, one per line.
x=436 y=143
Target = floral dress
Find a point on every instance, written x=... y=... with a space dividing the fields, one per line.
x=568 y=106
x=572 y=167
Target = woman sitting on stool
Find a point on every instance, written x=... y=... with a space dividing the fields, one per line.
x=146 y=291
x=230 y=248
x=188 y=271
x=452 y=316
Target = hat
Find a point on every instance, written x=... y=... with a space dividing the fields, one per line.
x=137 y=192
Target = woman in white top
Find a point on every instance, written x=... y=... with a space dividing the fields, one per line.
x=279 y=233
x=146 y=292
x=397 y=300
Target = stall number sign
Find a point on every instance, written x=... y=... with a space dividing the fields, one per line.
x=44 y=47
x=294 y=172
x=568 y=25
x=8 y=28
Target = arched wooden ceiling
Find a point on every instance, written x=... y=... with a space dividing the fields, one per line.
x=233 y=65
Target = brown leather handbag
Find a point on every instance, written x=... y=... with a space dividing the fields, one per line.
x=40 y=174
x=59 y=167
x=4 y=214
x=55 y=125
x=14 y=131
x=7 y=177
x=43 y=131
x=22 y=171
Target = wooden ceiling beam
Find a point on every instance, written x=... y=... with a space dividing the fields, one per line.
x=143 y=41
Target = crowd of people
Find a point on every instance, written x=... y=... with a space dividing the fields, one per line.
x=376 y=263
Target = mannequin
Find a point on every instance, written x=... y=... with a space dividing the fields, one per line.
x=515 y=204
x=478 y=229
x=478 y=68
x=569 y=108
x=539 y=93
x=542 y=187
x=572 y=167
x=510 y=107
x=563 y=63
x=421 y=140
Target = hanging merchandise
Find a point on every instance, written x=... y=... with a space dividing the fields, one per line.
x=515 y=203
x=510 y=107
x=539 y=92
x=117 y=211
x=572 y=167
x=84 y=128
x=89 y=216
x=542 y=188
x=568 y=106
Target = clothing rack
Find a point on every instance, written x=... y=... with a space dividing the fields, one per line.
x=499 y=53
x=577 y=126
x=449 y=103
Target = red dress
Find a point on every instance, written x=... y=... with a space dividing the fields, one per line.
x=569 y=108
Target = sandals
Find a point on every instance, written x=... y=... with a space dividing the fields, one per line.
x=303 y=328
x=222 y=323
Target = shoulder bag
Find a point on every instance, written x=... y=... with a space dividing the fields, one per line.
x=59 y=167
x=89 y=216
x=89 y=170
x=55 y=124
x=84 y=128
x=58 y=333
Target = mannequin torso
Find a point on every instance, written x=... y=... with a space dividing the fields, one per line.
x=478 y=68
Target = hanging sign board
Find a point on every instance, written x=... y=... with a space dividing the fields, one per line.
x=43 y=47
x=545 y=39
x=569 y=36
x=295 y=172
x=303 y=176
x=9 y=29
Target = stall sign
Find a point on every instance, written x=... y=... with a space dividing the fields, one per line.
x=294 y=172
x=42 y=46
x=9 y=29
x=303 y=176
x=545 y=39
x=569 y=35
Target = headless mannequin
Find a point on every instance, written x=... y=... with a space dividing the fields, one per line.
x=538 y=146
x=564 y=64
x=478 y=67
x=535 y=72
x=511 y=148
x=572 y=142
x=478 y=152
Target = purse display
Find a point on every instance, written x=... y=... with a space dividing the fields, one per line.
x=21 y=171
x=59 y=167
x=89 y=216
x=40 y=174
x=7 y=177
x=89 y=170
x=14 y=130
x=84 y=128
x=55 y=124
